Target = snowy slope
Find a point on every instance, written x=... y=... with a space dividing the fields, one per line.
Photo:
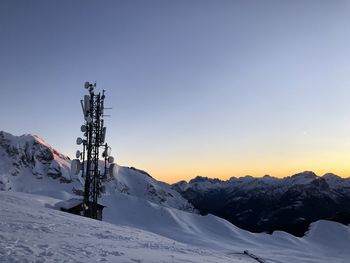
x=140 y=184
x=215 y=233
x=32 y=231
x=29 y=164
x=142 y=222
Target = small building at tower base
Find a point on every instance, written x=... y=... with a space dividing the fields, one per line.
x=76 y=206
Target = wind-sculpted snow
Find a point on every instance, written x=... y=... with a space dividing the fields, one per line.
x=138 y=183
x=32 y=231
x=29 y=164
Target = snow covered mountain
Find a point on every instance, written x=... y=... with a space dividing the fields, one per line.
x=28 y=164
x=144 y=220
x=268 y=203
x=31 y=230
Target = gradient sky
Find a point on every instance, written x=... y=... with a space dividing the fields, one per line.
x=211 y=88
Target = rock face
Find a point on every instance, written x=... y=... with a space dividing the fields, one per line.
x=29 y=164
x=267 y=204
x=28 y=154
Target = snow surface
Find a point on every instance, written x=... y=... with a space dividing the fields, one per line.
x=31 y=230
x=29 y=164
x=144 y=219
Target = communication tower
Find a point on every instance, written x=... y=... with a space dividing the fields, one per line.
x=93 y=170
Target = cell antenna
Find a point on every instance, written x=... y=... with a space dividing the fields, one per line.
x=87 y=162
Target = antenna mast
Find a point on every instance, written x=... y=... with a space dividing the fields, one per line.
x=87 y=161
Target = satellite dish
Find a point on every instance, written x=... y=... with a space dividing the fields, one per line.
x=75 y=166
x=79 y=140
x=113 y=170
x=86 y=85
x=77 y=154
x=86 y=104
x=110 y=159
x=83 y=128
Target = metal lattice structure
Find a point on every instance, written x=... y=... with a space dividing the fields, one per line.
x=88 y=163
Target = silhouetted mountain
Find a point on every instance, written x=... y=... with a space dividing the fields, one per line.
x=267 y=204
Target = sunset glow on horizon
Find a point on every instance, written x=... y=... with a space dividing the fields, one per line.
x=216 y=89
x=224 y=167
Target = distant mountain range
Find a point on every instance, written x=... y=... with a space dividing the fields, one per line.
x=145 y=220
x=28 y=164
x=267 y=204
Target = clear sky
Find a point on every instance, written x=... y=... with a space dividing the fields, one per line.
x=211 y=88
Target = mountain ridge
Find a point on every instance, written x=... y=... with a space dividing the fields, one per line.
x=137 y=226
x=267 y=204
x=305 y=174
x=29 y=164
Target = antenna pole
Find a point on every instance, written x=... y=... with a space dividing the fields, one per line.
x=94 y=133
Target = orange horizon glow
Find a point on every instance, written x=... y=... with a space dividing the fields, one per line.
x=224 y=171
x=174 y=177
x=281 y=154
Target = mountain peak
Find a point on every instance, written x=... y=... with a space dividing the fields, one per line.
x=305 y=174
x=305 y=177
x=30 y=164
x=201 y=179
x=331 y=176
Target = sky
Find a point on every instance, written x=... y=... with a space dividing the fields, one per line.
x=210 y=88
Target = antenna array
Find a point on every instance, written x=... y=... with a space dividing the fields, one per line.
x=87 y=162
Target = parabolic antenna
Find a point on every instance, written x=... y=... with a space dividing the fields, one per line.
x=77 y=154
x=79 y=140
x=110 y=159
x=83 y=128
x=86 y=85
x=113 y=170
x=75 y=166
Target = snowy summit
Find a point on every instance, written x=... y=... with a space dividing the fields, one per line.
x=144 y=220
